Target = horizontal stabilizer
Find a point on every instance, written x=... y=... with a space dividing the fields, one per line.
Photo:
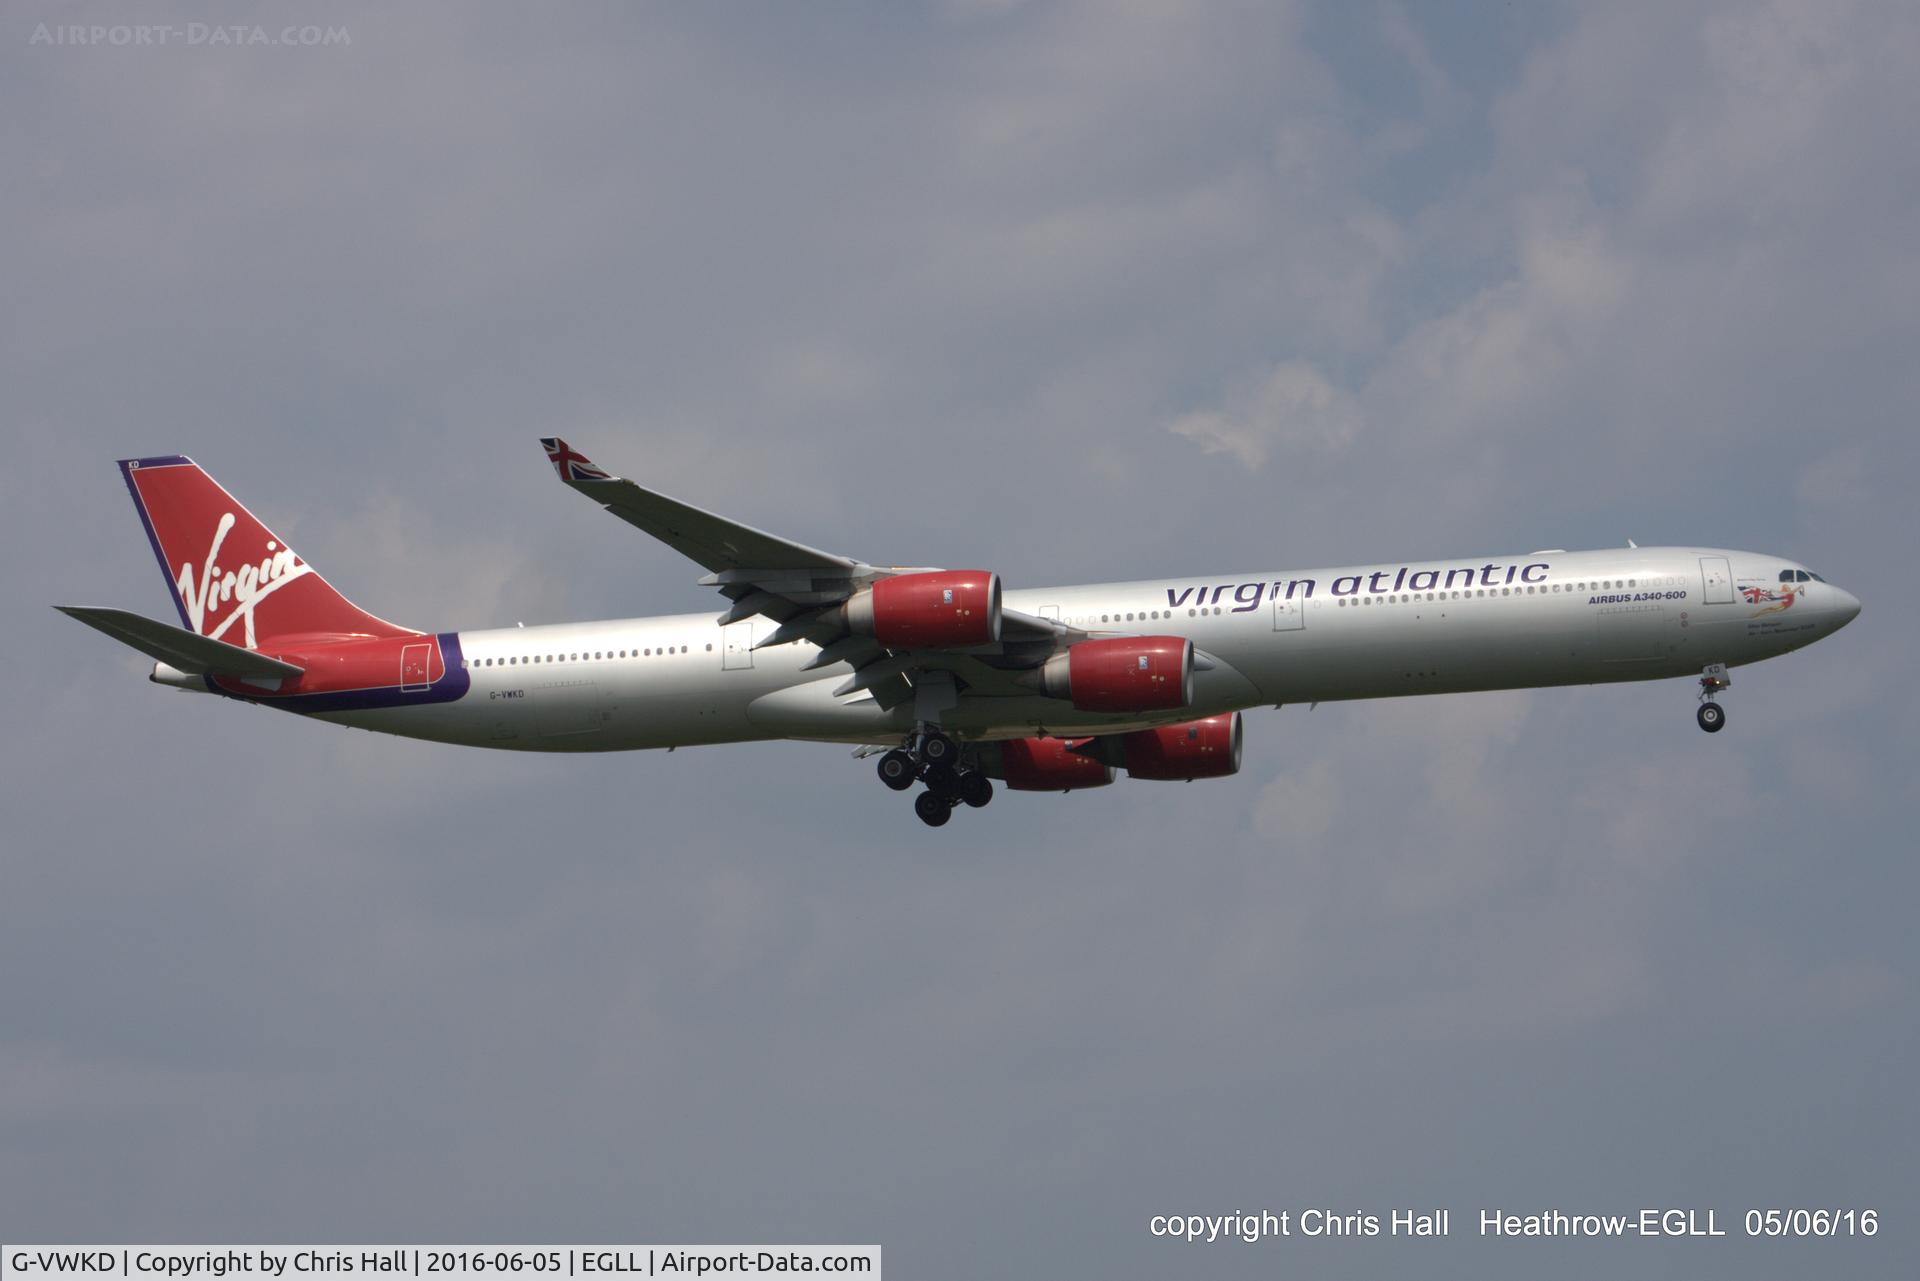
x=177 y=647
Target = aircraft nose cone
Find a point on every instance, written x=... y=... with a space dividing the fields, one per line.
x=1846 y=606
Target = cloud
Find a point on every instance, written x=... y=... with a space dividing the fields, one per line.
x=1293 y=408
x=1299 y=807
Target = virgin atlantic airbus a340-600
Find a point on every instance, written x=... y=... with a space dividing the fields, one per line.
x=949 y=680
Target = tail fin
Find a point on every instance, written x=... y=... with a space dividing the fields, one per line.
x=231 y=577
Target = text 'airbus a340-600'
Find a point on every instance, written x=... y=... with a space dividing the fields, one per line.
x=950 y=680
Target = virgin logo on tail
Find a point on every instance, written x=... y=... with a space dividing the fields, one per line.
x=244 y=587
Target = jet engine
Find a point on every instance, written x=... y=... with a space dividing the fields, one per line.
x=1206 y=748
x=942 y=609
x=1048 y=765
x=1123 y=674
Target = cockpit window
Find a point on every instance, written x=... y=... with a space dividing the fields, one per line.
x=1815 y=577
x=1786 y=575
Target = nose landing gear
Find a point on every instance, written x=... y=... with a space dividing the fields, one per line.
x=1712 y=716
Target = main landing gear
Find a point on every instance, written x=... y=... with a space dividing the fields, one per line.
x=1712 y=716
x=930 y=757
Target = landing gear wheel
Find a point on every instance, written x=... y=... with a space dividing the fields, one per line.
x=1712 y=717
x=934 y=810
x=943 y=782
x=976 y=789
x=936 y=749
x=897 y=770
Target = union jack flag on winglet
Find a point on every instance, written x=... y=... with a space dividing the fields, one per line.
x=568 y=464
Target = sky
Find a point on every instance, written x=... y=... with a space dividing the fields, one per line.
x=1078 y=292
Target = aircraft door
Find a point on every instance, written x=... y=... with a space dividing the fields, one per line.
x=736 y=648
x=414 y=666
x=1716 y=580
x=1289 y=615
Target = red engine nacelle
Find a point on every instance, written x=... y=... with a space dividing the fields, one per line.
x=947 y=608
x=1208 y=748
x=1045 y=765
x=1123 y=674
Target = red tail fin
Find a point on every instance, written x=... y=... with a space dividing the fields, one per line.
x=231 y=577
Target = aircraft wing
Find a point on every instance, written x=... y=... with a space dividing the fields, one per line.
x=726 y=547
x=801 y=588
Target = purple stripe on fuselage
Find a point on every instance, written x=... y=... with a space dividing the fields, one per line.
x=454 y=682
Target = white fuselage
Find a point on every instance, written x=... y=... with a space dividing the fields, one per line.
x=1372 y=631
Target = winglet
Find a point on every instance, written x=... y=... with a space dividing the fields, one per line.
x=569 y=465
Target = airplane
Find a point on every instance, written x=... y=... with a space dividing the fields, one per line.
x=951 y=680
